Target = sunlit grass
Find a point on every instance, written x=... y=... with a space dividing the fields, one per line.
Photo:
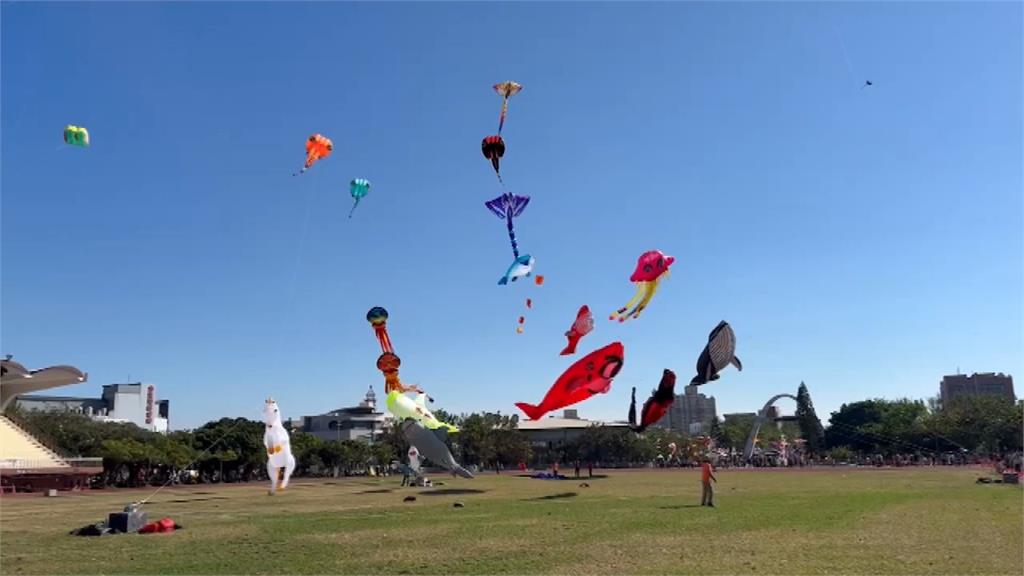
x=925 y=521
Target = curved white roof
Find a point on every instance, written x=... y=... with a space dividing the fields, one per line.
x=16 y=380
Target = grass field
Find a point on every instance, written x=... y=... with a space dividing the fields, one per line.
x=925 y=521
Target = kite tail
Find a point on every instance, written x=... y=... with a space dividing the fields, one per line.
x=532 y=412
x=504 y=110
x=512 y=237
x=652 y=289
x=495 y=161
x=462 y=471
x=353 y=207
x=382 y=337
x=640 y=290
x=632 y=410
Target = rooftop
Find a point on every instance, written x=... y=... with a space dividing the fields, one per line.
x=555 y=423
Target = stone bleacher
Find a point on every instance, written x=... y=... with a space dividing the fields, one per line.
x=18 y=449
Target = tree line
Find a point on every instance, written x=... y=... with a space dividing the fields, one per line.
x=231 y=449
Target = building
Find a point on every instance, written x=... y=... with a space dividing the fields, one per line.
x=135 y=403
x=26 y=464
x=737 y=417
x=691 y=413
x=552 y=432
x=362 y=422
x=987 y=383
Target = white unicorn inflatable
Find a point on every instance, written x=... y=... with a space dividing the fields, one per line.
x=280 y=462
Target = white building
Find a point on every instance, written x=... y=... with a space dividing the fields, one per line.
x=553 y=431
x=135 y=403
x=362 y=422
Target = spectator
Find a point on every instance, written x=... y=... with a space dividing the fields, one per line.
x=706 y=477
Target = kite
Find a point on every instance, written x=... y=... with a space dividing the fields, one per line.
x=506 y=207
x=431 y=446
x=522 y=319
x=378 y=318
x=76 y=136
x=719 y=353
x=509 y=206
x=590 y=375
x=404 y=407
x=521 y=266
x=506 y=90
x=360 y=187
x=657 y=405
x=493 y=148
x=583 y=325
x=317 y=147
x=651 y=267
x=866 y=84
x=280 y=462
x=388 y=362
x=539 y=281
x=414 y=459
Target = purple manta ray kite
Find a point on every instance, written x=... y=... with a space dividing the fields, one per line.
x=509 y=206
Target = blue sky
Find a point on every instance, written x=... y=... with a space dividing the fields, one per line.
x=864 y=241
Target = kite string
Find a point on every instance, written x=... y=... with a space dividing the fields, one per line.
x=846 y=55
x=194 y=460
x=876 y=436
x=277 y=347
x=295 y=274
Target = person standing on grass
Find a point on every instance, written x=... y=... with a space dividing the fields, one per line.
x=706 y=476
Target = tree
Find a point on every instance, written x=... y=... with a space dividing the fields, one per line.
x=306 y=449
x=716 y=433
x=849 y=426
x=810 y=426
x=736 y=430
x=879 y=426
x=987 y=424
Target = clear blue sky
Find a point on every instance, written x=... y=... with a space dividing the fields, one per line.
x=864 y=241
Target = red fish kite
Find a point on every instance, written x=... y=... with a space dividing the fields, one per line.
x=591 y=375
x=583 y=325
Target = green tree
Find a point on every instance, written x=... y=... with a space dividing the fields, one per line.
x=717 y=433
x=811 y=429
x=306 y=449
x=850 y=426
x=987 y=424
x=736 y=429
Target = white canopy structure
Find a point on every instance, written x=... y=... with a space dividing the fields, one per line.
x=16 y=380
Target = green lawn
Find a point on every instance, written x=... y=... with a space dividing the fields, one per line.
x=632 y=522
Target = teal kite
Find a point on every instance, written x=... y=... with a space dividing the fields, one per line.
x=359 y=187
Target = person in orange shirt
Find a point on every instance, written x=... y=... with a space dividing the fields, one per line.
x=706 y=477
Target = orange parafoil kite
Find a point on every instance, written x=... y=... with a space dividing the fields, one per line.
x=318 y=146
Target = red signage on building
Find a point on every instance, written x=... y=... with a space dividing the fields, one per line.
x=149 y=404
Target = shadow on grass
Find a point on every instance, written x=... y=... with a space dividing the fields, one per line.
x=558 y=496
x=679 y=507
x=580 y=479
x=451 y=491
